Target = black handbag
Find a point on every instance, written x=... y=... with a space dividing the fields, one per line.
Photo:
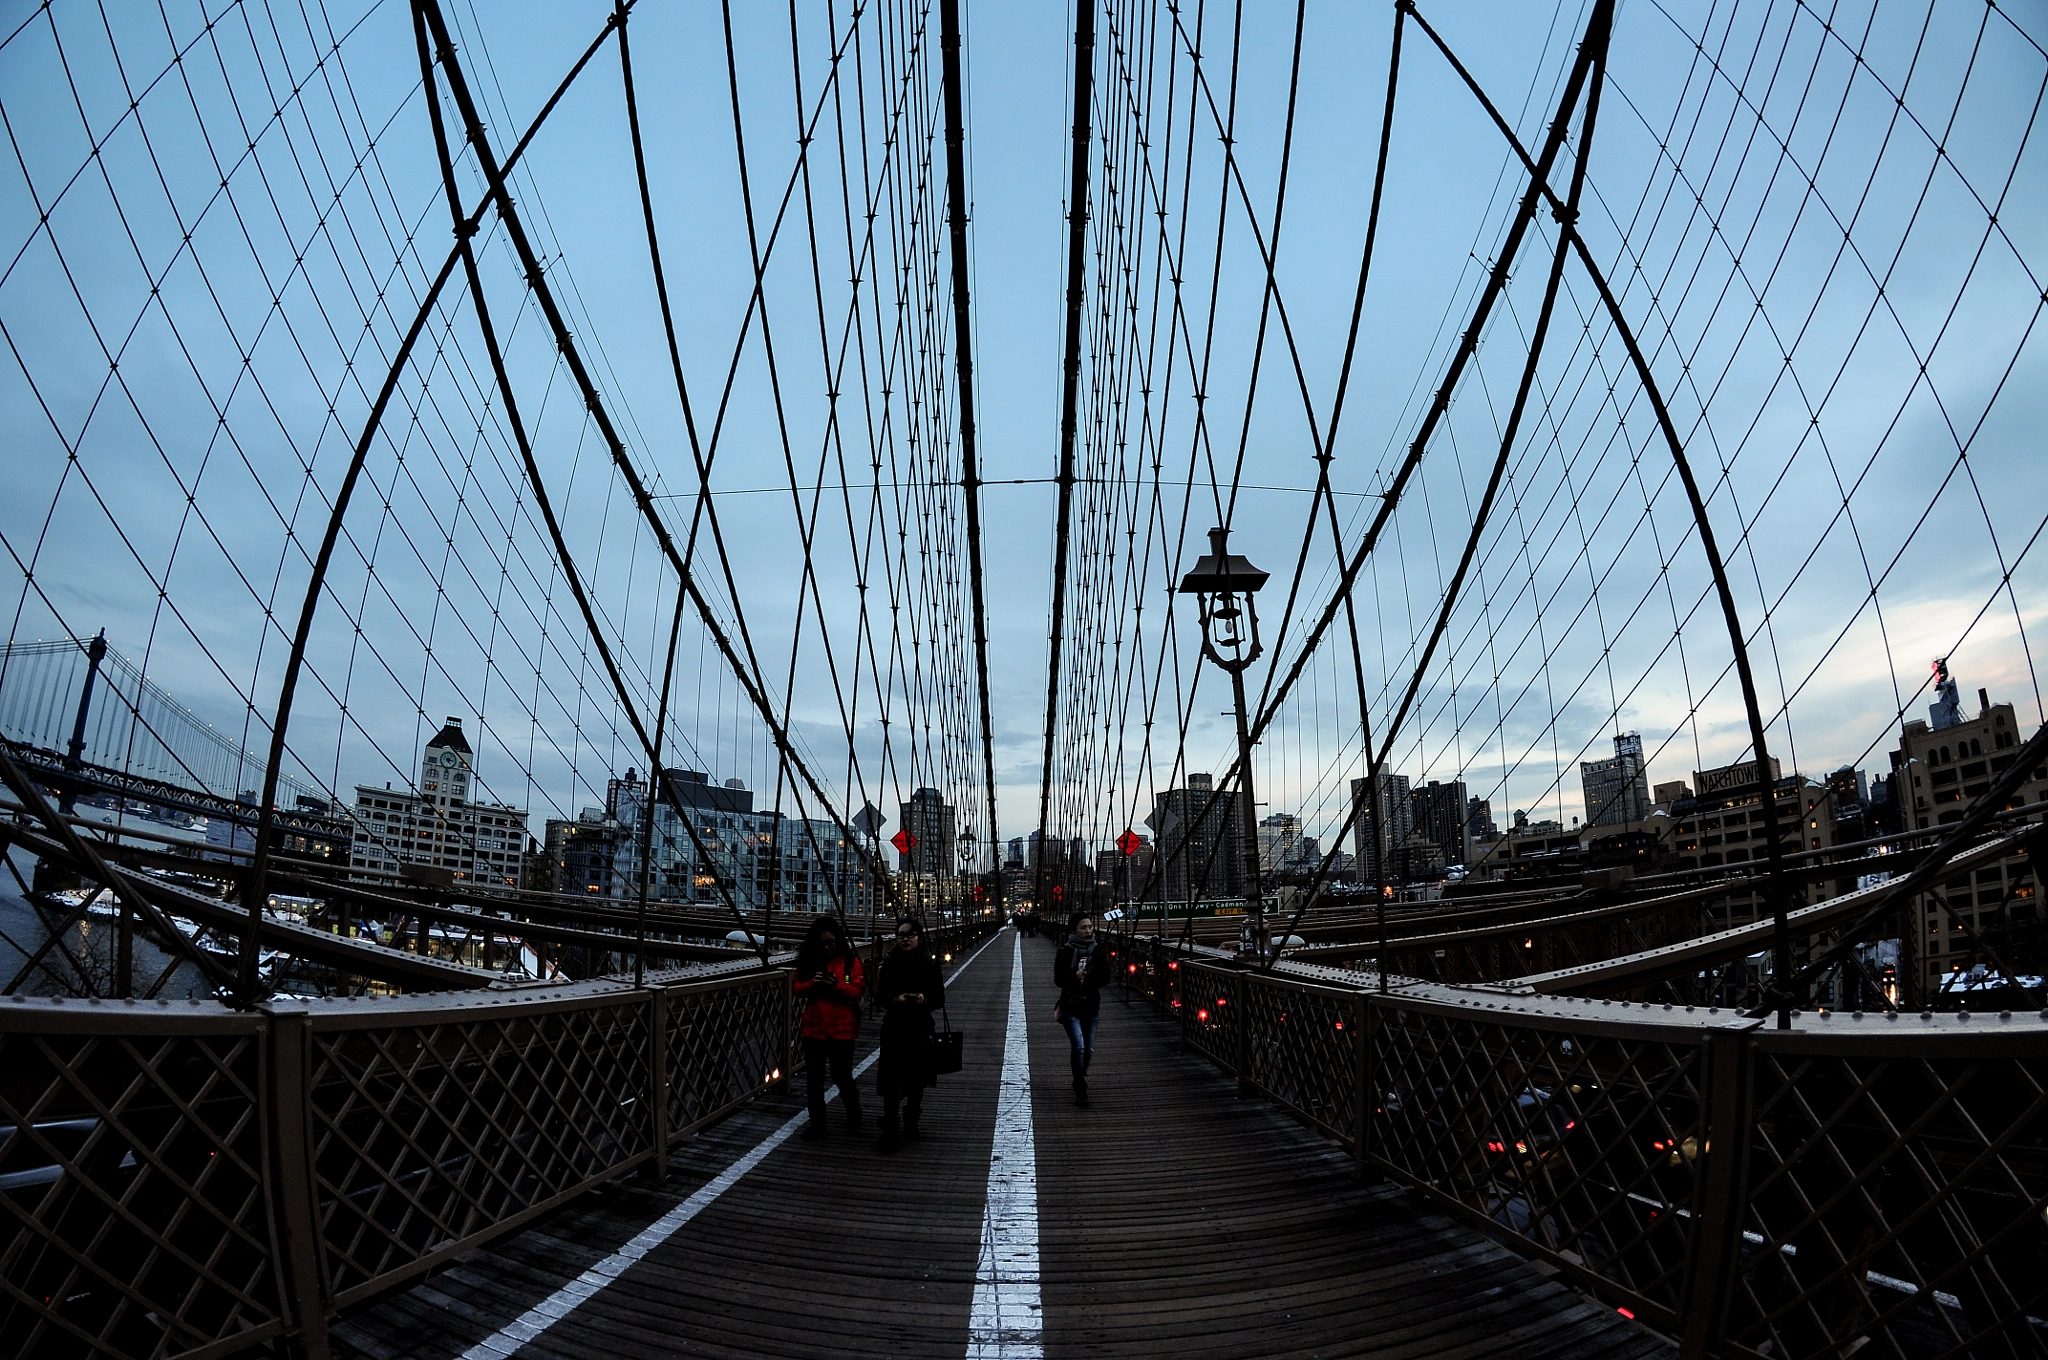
x=943 y=1050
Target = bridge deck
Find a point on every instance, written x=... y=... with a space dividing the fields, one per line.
x=1173 y=1218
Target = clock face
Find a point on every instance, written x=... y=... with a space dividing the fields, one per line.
x=447 y=760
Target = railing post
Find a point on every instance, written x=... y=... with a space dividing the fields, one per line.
x=1176 y=990
x=1241 y=1029
x=1717 y=1229
x=293 y=1194
x=657 y=1081
x=1362 y=1069
x=787 y=1011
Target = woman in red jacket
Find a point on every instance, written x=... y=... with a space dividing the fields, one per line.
x=829 y=979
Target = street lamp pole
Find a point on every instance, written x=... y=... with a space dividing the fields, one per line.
x=1230 y=639
x=964 y=887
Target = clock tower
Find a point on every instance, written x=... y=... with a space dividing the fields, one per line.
x=445 y=770
x=441 y=827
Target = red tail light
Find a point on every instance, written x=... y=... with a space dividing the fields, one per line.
x=1202 y=1015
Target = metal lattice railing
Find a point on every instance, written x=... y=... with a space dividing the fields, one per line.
x=1580 y=1139
x=186 y=1180
x=1855 y=1185
x=1301 y=1046
x=1208 y=1014
x=726 y=1045
x=431 y=1126
x=132 y=1171
x=1895 y=1190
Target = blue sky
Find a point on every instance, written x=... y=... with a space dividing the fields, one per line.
x=1847 y=339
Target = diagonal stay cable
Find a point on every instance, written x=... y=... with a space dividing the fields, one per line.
x=254 y=896
x=425 y=14
x=1774 y=891
x=1597 y=43
x=1468 y=346
x=537 y=281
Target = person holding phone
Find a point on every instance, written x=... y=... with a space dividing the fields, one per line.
x=830 y=982
x=1081 y=968
x=908 y=987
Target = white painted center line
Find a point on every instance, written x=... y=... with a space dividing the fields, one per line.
x=508 y=1339
x=1007 y=1323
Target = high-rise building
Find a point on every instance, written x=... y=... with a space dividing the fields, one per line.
x=1479 y=823
x=1882 y=815
x=1049 y=851
x=929 y=820
x=759 y=857
x=1202 y=837
x=1418 y=860
x=1850 y=796
x=1439 y=817
x=1617 y=790
x=1371 y=851
x=725 y=823
x=818 y=869
x=1279 y=840
x=1937 y=773
x=439 y=826
x=1724 y=823
x=583 y=854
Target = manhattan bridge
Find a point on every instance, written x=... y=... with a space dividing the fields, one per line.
x=515 y=517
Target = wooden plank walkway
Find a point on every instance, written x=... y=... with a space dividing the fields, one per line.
x=1173 y=1219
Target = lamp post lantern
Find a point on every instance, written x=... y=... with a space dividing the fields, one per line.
x=1230 y=639
x=970 y=846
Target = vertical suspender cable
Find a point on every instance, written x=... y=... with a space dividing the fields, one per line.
x=1784 y=982
x=1077 y=263
x=963 y=347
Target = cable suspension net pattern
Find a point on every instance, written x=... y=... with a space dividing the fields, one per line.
x=1604 y=416
x=1545 y=519
x=449 y=441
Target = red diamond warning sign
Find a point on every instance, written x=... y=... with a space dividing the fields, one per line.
x=903 y=840
x=1129 y=841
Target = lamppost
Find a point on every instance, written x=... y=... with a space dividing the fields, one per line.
x=1230 y=638
x=970 y=847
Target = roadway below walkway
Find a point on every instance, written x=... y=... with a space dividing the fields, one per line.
x=1169 y=1217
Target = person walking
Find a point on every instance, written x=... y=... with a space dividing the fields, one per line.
x=830 y=981
x=908 y=987
x=1081 y=969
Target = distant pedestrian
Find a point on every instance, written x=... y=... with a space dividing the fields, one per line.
x=830 y=980
x=1081 y=969
x=909 y=987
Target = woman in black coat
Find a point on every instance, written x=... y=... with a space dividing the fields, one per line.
x=908 y=988
x=1081 y=968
